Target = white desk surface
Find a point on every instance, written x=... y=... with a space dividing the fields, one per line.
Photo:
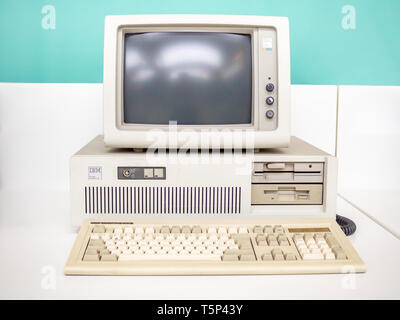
x=31 y=249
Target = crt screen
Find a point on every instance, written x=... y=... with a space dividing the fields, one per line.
x=193 y=78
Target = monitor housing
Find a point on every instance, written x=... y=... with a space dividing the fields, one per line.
x=265 y=124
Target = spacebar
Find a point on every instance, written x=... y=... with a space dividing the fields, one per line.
x=171 y=257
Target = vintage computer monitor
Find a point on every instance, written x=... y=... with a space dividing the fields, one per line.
x=196 y=81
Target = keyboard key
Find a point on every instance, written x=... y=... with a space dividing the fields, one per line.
x=116 y=236
x=326 y=250
x=230 y=257
x=339 y=253
x=284 y=243
x=281 y=237
x=271 y=239
x=298 y=237
x=92 y=252
x=186 y=229
x=267 y=257
x=243 y=230
x=276 y=251
x=279 y=257
x=268 y=229
x=232 y=230
x=304 y=251
x=138 y=230
x=244 y=244
x=196 y=229
x=170 y=237
x=108 y=257
x=175 y=229
x=104 y=251
x=149 y=230
x=290 y=257
x=301 y=246
x=258 y=229
x=212 y=230
x=310 y=241
x=96 y=242
x=127 y=237
x=260 y=237
x=91 y=257
x=330 y=256
x=128 y=230
x=110 y=230
x=238 y=251
x=222 y=230
x=98 y=229
x=105 y=236
x=262 y=243
x=164 y=229
x=247 y=257
x=331 y=241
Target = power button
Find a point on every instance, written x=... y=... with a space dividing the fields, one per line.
x=270 y=87
x=270 y=114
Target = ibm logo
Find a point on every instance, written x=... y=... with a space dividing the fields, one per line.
x=94 y=173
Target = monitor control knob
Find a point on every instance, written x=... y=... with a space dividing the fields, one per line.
x=270 y=114
x=270 y=87
x=270 y=100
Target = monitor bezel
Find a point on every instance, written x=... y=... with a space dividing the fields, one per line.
x=262 y=136
x=123 y=30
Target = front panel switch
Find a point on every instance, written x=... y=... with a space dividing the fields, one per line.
x=159 y=172
x=148 y=173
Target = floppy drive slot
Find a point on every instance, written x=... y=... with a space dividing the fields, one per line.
x=277 y=172
x=286 y=194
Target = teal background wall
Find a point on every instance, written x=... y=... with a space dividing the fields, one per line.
x=322 y=51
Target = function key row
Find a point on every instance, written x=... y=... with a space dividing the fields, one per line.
x=188 y=229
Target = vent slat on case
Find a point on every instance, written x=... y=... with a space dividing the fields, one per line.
x=154 y=200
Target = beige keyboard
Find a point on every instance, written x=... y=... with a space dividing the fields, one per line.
x=266 y=246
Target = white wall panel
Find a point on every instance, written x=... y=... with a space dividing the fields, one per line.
x=314 y=115
x=369 y=151
x=41 y=126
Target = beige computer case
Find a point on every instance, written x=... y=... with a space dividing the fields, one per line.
x=294 y=182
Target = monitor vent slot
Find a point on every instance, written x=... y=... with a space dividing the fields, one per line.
x=165 y=200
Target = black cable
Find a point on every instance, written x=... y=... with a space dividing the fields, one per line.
x=347 y=225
